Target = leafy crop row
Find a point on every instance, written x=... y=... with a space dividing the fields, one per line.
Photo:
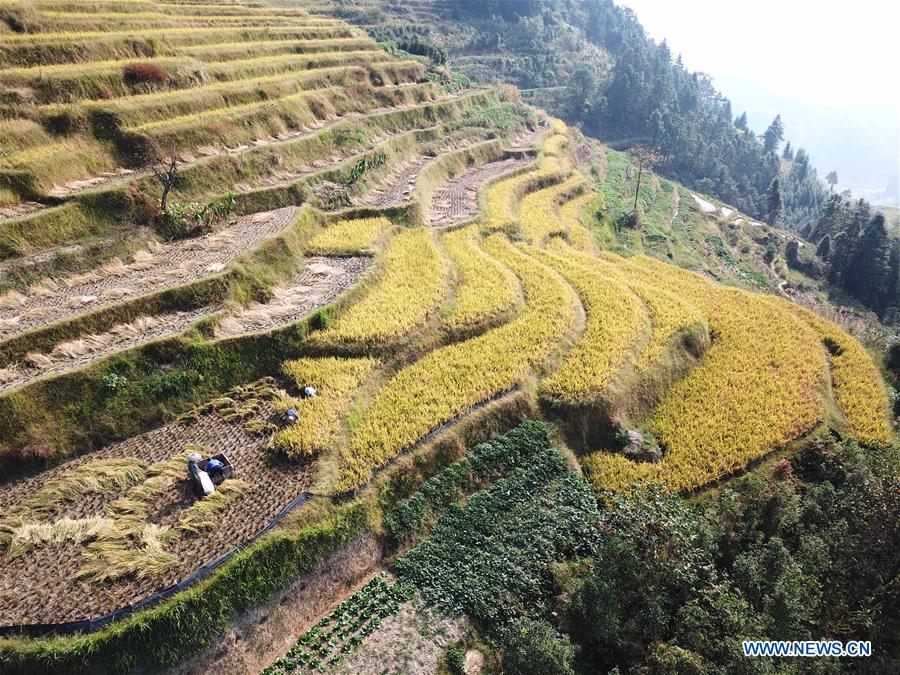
x=448 y=381
x=480 y=466
x=345 y=628
x=411 y=288
x=493 y=556
x=486 y=288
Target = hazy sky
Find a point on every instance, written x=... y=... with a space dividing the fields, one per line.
x=794 y=47
x=831 y=69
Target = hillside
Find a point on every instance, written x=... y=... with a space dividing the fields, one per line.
x=206 y=208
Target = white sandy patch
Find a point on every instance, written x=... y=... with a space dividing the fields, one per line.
x=704 y=205
x=726 y=212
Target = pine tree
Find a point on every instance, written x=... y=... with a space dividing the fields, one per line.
x=832 y=179
x=824 y=247
x=788 y=153
x=741 y=121
x=871 y=267
x=773 y=135
x=774 y=202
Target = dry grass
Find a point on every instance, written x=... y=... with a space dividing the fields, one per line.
x=108 y=475
x=202 y=514
x=113 y=558
x=31 y=534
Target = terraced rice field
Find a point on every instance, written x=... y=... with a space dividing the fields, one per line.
x=274 y=105
x=150 y=271
x=224 y=82
x=86 y=349
x=457 y=200
x=319 y=282
x=268 y=487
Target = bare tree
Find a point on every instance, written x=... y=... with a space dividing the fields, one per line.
x=645 y=158
x=167 y=174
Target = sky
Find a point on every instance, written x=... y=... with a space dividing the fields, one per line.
x=767 y=54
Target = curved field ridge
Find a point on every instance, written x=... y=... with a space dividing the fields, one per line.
x=758 y=386
x=858 y=388
x=615 y=323
x=412 y=287
x=450 y=380
x=670 y=315
x=539 y=210
x=486 y=289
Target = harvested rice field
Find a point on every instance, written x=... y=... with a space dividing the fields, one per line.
x=267 y=485
x=457 y=200
x=149 y=271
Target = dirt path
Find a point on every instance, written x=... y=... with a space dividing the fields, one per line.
x=319 y=282
x=457 y=200
x=410 y=642
x=18 y=210
x=150 y=271
x=582 y=152
x=526 y=140
x=73 y=354
x=677 y=203
x=265 y=633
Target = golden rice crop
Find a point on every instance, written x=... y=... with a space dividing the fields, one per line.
x=538 y=210
x=348 y=237
x=335 y=381
x=501 y=197
x=486 y=288
x=270 y=65
x=149 y=108
x=230 y=112
x=570 y=212
x=555 y=145
x=670 y=314
x=756 y=388
x=615 y=323
x=448 y=381
x=411 y=288
x=190 y=34
x=857 y=385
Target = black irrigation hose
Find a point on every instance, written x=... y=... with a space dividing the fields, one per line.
x=91 y=625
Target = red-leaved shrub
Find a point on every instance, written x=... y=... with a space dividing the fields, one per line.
x=144 y=73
